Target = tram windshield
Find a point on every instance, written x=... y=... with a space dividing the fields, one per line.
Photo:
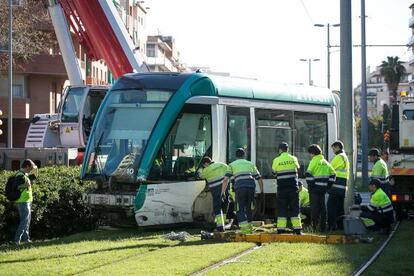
x=122 y=131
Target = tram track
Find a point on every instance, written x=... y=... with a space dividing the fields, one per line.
x=377 y=253
x=231 y=259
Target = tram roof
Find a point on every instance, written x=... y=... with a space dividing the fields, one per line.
x=260 y=90
x=229 y=87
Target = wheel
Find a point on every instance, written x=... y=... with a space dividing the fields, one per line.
x=400 y=212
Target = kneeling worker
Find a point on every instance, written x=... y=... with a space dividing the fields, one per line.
x=213 y=173
x=379 y=214
x=304 y=204
x=245 y=173
x=285 y=167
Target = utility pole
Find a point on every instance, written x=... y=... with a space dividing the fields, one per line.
x=328 y=58
x=10 y=81
x=346 y=124
x=364 y=115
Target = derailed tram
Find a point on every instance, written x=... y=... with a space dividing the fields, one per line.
x=153 y=129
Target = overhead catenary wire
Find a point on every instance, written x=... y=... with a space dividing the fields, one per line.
x=307 y=12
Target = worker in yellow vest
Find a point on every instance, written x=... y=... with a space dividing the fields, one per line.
x=379 y=214
x=285 y=168
x=335 y=204
x=214 y=173
x=304 y=204
x=245 y=175
x=320 y=175
x=379 y=170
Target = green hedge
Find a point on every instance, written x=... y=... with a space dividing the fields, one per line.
x=58 y=208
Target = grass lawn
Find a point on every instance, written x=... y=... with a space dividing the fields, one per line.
x=398 y=256
x=115 y=252
x=300 y=259
x=136 y=252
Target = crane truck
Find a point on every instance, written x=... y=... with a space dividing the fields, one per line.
x=401 y=159
x=61 y=137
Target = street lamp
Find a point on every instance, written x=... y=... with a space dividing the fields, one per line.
x=327 y=47
x=309 y=60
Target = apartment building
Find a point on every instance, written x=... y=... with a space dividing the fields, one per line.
x=162 y=54
x=378 y=93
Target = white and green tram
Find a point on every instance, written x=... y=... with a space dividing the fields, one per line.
x=153 y=129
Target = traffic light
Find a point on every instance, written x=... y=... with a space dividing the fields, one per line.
x=1 y=122
x=387 y=136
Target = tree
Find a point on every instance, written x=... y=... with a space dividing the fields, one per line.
x=386 y=117
x=393 y=71
x=32 y=31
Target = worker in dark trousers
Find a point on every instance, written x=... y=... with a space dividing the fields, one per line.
x=379 y=170
x=335 y=204
x=285 y=168
x=379 y=214
x=244 y=173
x=319 y=176
x=214 y=173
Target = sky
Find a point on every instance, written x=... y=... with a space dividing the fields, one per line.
x=265 y=39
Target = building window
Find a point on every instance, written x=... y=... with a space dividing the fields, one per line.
x=151 y=50
x=17 y=91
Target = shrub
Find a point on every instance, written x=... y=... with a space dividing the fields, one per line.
x=58 y=208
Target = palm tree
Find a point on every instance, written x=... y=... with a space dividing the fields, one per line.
x=393 y=71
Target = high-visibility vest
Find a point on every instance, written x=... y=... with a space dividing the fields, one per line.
x=320 y=175
x=304 y=197
x=244 y=173
x=26 y=195
x=285 y=167
x=214 y=174
x=380 y=202
x=380 y=171
x=340 y=163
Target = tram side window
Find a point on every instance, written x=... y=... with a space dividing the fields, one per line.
x=186 y=144
x=238 y=131
x=272 y=128
x=310 y=128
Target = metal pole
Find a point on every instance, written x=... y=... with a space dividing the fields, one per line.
x=346 y=124
x=10 y=81
x=364 y=115
x=310 y=72
x=329 y=59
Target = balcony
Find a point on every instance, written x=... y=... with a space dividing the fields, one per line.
x=163 y=62
x=43 y=64
x=21 y=107
x=411 y=22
